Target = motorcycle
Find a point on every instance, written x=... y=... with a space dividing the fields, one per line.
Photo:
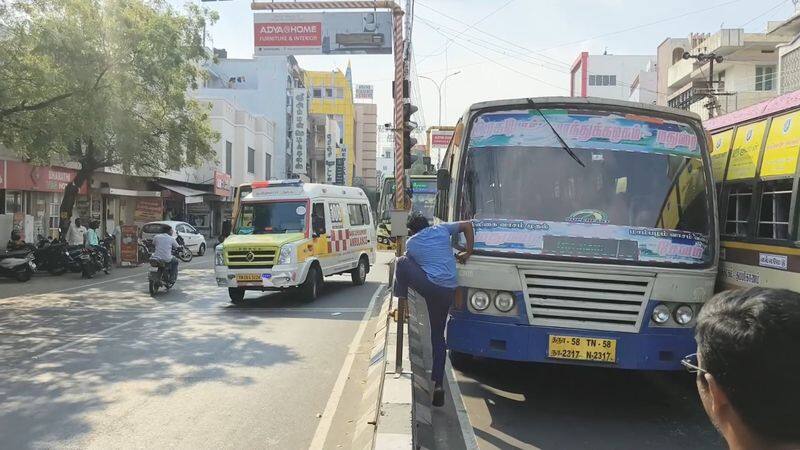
x=52 y=256
x=145 y=249
x=17 y=264
x=93 y=261
x=160 y=275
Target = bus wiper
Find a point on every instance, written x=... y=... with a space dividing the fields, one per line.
x=558 y=136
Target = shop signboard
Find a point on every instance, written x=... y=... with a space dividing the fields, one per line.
x=440 y=138
x=322 y=33
x=299 y=125
x=148 y=210
x=222 y=184
x=129 y=246
x=26 y=177
x=331 y=139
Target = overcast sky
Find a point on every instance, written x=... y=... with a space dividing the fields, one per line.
x=512 y=48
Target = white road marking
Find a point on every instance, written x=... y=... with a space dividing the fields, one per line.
x=99 y=334
x=338 y=388
x=467 y=432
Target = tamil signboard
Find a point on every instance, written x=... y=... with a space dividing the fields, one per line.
x=299 y=125
x=323 y=33
x=331 y=141
x=148 y=210
x=364 y=92
x=222 y=184
x=26 y=177
x=441 y=138
x=129 y=243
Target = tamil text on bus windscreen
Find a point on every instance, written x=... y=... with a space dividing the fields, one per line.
x=629 y=188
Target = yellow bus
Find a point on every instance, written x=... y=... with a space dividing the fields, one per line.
x=755 y=168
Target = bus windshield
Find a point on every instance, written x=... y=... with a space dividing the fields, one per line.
x=423 y=197
x=270 y=218
x=640 y=195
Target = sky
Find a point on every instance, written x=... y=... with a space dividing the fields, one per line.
x=510 y=48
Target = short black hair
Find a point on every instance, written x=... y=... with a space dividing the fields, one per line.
x=747 y=341
x=416 y=222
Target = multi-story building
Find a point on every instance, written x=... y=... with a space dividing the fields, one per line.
x=331 y=104
x=262 y=86
x=366 y=145
x=746 y=75
x=608 y=76
x=644 y=88
x=384 y=162
x=788 y=53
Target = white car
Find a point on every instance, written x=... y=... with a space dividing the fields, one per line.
x=192 y=238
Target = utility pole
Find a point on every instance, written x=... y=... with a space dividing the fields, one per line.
x=711 y=92
x=439 y=90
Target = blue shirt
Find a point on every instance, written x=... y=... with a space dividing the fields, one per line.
x=91 y=237
x=431 y=249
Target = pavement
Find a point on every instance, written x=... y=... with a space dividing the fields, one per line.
x=101 y=364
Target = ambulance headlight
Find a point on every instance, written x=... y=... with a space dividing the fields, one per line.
x=480 y=300
x=287 y=254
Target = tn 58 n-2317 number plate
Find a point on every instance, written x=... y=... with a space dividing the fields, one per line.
x=582 y=348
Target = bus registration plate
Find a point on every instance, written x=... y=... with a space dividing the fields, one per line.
x=582 y=348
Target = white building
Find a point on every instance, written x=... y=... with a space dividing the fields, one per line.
x=384 y=162
x=747 y=74
x=607 y=76
x=644 y=88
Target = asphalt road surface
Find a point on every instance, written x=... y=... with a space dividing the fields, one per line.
x=530 y=406
x=100 y=364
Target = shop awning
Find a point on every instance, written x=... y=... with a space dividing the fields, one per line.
x=129 y=192
x=185 y=191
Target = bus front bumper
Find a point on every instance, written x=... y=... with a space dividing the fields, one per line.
x=278 y=277
x=651 y=349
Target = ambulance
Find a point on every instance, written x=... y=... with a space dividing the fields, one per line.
x=290 y=235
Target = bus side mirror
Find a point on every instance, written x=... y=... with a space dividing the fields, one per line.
x=442 y=190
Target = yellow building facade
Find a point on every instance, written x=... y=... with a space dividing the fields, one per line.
x=331 y=94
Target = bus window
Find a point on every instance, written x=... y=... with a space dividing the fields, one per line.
x=739 y=199
x=773 y=219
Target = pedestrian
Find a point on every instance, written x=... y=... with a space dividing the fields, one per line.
x=429 y=267
x=747 y=369
x=76 y=233
x=226 y=230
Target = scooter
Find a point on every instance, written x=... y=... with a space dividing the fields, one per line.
x=17 y=264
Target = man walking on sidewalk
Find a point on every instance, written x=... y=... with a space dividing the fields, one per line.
x=429 y=267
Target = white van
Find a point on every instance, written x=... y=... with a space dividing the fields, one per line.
x=290 y=234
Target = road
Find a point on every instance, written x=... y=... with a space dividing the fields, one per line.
x=101 y=364
x=529 y=406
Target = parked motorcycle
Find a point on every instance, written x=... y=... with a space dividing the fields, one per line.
x=17 y=264
x=145 y=249
x=52 y=256
x=93 y=261
x=183 y=253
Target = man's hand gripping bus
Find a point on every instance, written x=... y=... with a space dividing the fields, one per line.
x=595 y=232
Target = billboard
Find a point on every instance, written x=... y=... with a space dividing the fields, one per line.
x=441 y=138
x=322 y=33
x=364 y=92
x=299 y=125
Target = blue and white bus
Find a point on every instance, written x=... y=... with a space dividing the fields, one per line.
x=596 y=232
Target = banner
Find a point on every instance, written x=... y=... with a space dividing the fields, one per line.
x=222 y=184
x=148 y=210
x=322 y=33
x=364 y=92
x=331 y=142
x=299 y=125
x=26 y=177
x=780 y=154
x=129 y=245
x=746 y=147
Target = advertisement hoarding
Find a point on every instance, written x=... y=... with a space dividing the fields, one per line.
x=331 y=140
x=323 y=33
x=364 y=92
x=129 y=243
x=299 y=125
x=441 y=138
x=26 y=177
x=222 y=184
x=148 y=210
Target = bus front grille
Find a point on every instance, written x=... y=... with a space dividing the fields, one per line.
x=590 y=301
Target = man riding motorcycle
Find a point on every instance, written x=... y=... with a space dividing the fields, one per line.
x=164 y=244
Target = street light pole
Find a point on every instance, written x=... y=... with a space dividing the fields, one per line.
x=439 y=90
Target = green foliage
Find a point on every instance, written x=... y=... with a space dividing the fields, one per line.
x=103 y=83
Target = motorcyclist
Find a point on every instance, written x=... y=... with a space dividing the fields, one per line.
x=16 y=242
x=93 y=241
x=164 y=244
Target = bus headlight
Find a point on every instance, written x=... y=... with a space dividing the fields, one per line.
x=660 y=313
x=504 y=301
x=479 y=300
x=287 y=254
x=684 y=314
x=218 y=259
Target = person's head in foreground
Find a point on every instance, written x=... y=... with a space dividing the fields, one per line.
x=416 y=223
x=748 y=368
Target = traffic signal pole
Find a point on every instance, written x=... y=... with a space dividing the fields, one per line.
x=400 y=201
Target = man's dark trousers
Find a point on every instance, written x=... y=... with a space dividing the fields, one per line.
x=438 y=300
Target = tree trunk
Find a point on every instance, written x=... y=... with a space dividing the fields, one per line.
x=70 y=194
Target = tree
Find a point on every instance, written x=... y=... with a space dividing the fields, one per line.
x=103 y=83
